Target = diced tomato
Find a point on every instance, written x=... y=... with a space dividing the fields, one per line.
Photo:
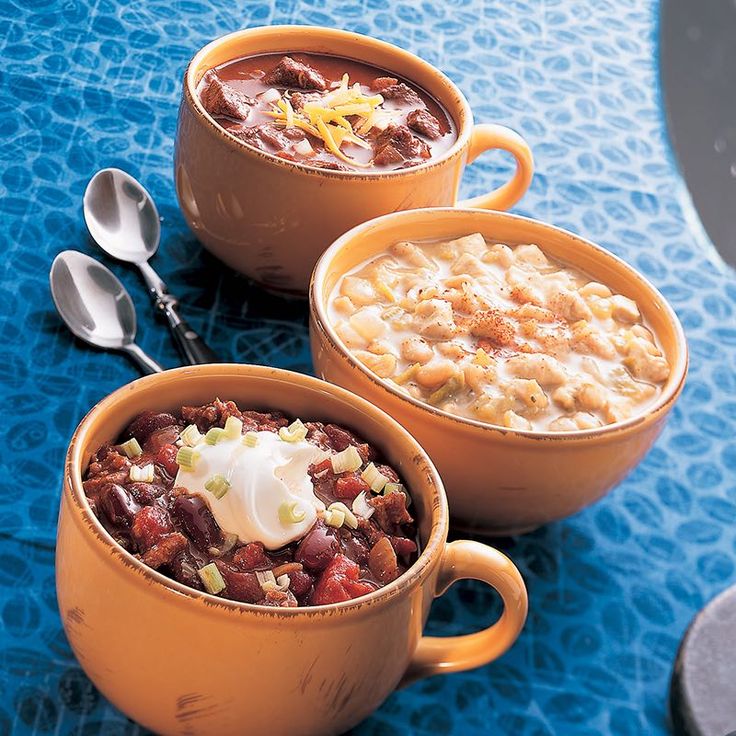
x=321 y=467
x=339 y=582
x=166 y=458
x=150 y=525
x=349 y=486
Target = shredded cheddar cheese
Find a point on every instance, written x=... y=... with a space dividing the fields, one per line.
x=326 y=118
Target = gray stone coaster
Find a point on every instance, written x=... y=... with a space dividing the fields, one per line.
x=703 y=687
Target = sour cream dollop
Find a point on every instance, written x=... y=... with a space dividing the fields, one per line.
x=261 y=479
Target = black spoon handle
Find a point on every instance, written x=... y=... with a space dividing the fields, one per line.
x=193 y=347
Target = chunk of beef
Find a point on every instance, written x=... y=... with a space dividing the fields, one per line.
x=250 y=557
x=291 y=73
x=299 y=99
x=390 y=512
x=93 y=486
x=270 y=137
x=321 y=163
x=219 y=99
x=216 y=414
x=108 y=465
x=425 y=123
x=164 y=551
x=381 y=83
x=401 y=93
x=396 y=144
x=145 y=493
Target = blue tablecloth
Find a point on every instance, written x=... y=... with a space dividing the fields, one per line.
x=87 y=85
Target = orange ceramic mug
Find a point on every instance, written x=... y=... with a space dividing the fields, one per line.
x=271 y=219
x=184 y=662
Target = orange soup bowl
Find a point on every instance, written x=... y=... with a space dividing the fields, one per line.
x=498 y=480
x=271 y=219
x=180 y=661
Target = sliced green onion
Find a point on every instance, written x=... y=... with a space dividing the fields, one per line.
x=142 y=474
x=347 y=460
x=374 y=478
x=131 y=448
x=233 y=428
x=211 y=579
x=291 y=512
x=218 y=485
x=266 y=579
x=191 y=436
x=334 y=518
x=295 y=432
x=187 y=458
x=349 y=517
x=214 y=435
x=397 y=488
x=361 y=507
x=250 y=439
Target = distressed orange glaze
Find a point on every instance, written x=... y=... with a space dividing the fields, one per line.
x=499 y=480
x=271 y=219
x=184 y=662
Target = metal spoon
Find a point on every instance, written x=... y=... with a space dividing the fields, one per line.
x=123 y=220
x=95 y=306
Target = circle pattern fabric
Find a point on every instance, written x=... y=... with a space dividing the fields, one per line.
x=88 y=85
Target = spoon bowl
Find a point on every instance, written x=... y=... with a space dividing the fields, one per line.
x=95 y=306
x=121 y=216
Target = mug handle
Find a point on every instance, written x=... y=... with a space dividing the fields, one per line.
x=486 y=136
x=442 y=654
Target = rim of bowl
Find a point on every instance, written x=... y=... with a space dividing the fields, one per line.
x=464 y=126
x=431 y=550
x=666 y=397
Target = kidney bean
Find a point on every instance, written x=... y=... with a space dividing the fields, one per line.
x=143 y=426
x=301 y=583
x=118 y=505
x=184 y=569
x=161 y=437
x=196 y=518
x=240 y=586
x=317 y=548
